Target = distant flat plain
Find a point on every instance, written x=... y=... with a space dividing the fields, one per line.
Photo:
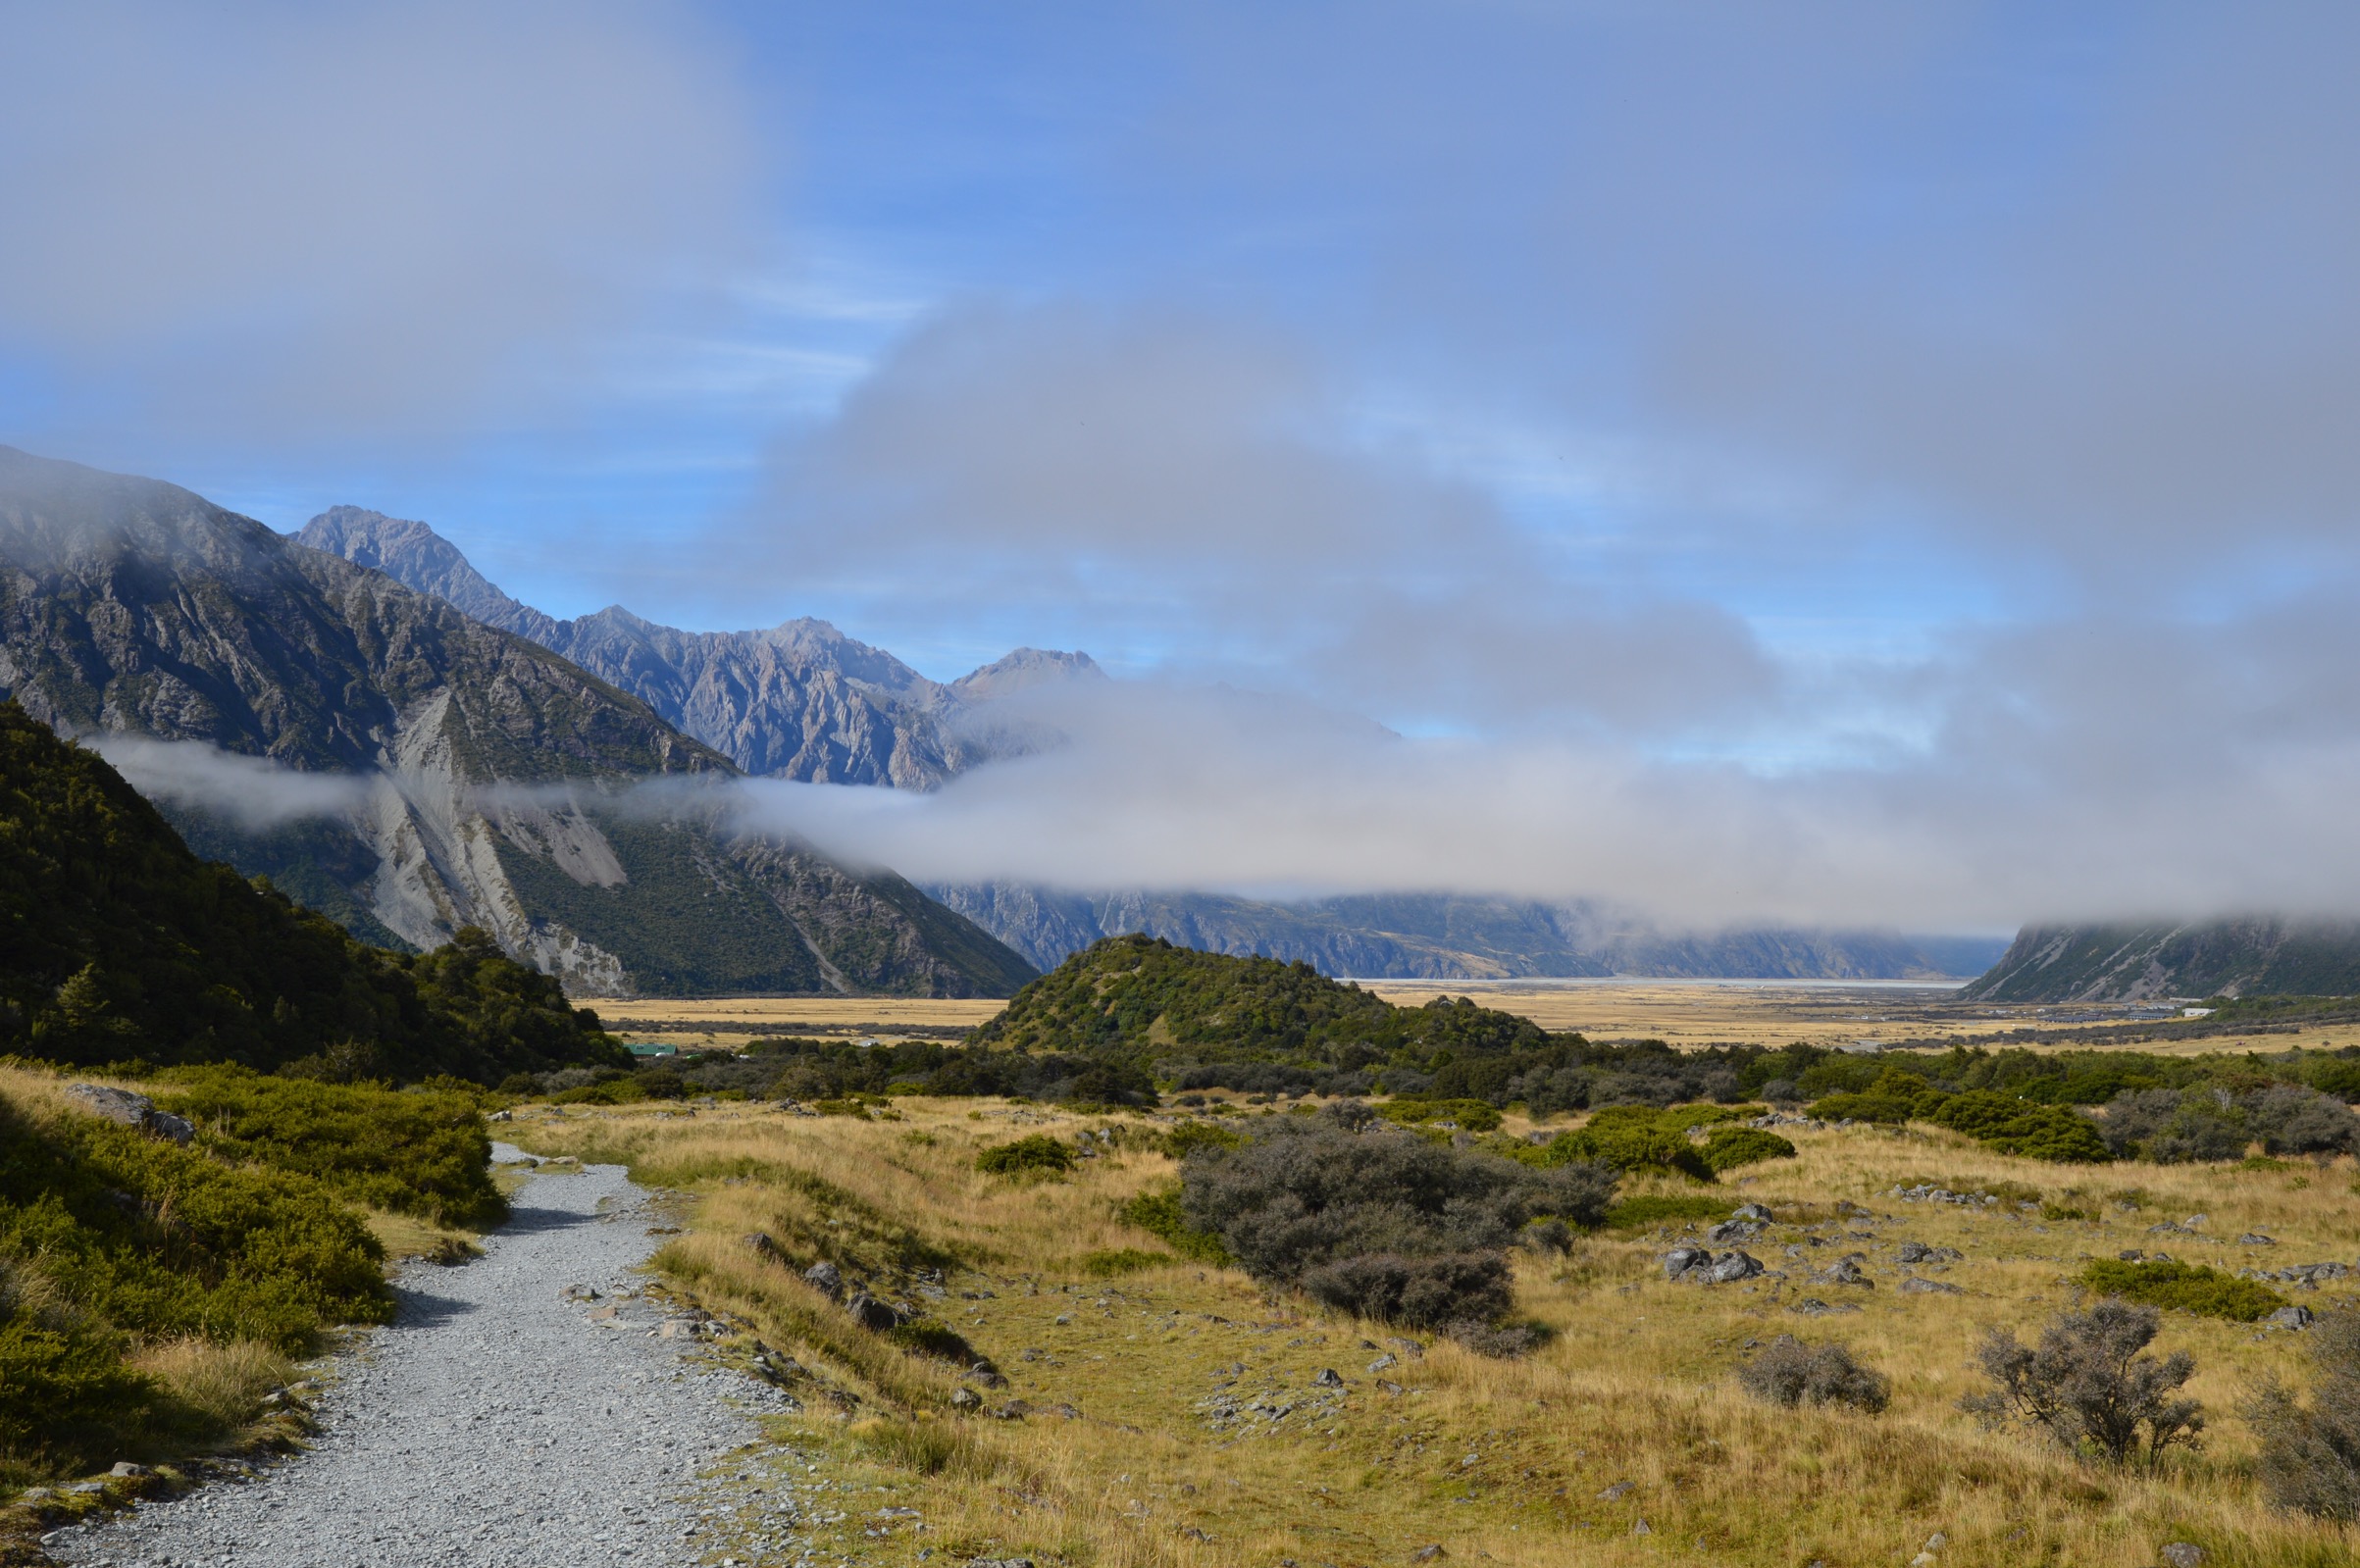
x=1685 y=1013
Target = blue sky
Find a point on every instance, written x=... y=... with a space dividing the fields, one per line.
x=1866 y=392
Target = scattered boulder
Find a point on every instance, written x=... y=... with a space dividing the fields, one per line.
x=871 y=1313
x=1751 y=1211
x=827 y=1279
x=1381 y=1363
x=1681 y=1260
x=2181 y=1553
x=1329 y=1379
x=759 y=1243
x=1912 y=1286
x=2256 y=1239
x=1013 y=1410
x=1729 y=1230
x=1919 y=1252
x=127 y=1470
x=966 y=1401
x=985 y=1372
x=2290 y=1317
x=1428 y=1554
x=1845 y=1270
x=1736 y=1266
x=1811 y=1306
x=127 y=1109
x=1616 y=1493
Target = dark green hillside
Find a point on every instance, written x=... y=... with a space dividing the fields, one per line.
x=2254 y=957
x=117 y=943
x=1141 y=996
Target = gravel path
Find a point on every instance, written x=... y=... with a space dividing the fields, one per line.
x=494 y=1422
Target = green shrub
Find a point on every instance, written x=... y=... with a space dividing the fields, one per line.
x=1651 y=1209
x=1161 y=1215
x=930 y=1336
x=1728 y=1147
x=1107 y=1265
x=108 y=1236
x=2051 y=1133
x=1625 y=1147
x=1864 y=1107
x=2188 y=1287
x=1188 y=1137
x=1474 y=1116
x=1035 y=1152
x=417 y=1153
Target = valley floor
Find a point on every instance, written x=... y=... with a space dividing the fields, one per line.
x=1158 y=1412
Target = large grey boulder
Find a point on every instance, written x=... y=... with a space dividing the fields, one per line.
x=127 y=1109
x=825 y=1279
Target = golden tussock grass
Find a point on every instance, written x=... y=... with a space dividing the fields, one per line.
x=1162 y=1461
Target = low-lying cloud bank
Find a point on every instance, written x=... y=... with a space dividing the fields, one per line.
x=256 y=793
x=1227 y=795
x=2045 y=796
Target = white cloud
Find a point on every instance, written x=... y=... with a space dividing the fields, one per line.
x=275 y=220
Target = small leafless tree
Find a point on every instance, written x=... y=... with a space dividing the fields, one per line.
x=2088 y=1386
x=2310 y=1459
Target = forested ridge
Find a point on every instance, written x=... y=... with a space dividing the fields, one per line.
x=117 y=943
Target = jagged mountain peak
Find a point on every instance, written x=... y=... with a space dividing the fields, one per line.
x=1023 y=669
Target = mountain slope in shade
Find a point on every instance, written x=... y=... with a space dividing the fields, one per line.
x=487 y=773
x=1440 y=936
x=2256 y=956
x=799 y=700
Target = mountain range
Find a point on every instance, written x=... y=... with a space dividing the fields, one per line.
x=801 y=700
x=481 y=777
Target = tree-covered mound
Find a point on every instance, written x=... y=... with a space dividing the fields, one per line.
x=1141 y=996
x=119 y=945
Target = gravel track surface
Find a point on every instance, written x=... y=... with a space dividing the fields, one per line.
x=495 y=1421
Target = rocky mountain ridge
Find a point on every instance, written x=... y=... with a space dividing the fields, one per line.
x=799 y=700
x=485 y=781
x=2251 y=956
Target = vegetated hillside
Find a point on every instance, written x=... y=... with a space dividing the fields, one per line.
x=120 y=944
x=2248 y=957
x=1447 y=936
x=477 y=779
x=797 y=700
x=1134 y=996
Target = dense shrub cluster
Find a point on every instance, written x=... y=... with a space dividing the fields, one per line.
x=2088 y=1386
x=416 y=1153
x=1035 y=1152
x=1728 y=1148
x=1790 y=1371
x=2186 y=1287
x=2310 y=1452
x=2214 y=1121
x=1379 y=1222
x=105 y=1234
x=1162 y=1214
